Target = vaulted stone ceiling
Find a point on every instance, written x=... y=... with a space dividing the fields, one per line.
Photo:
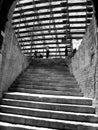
x=40 y=23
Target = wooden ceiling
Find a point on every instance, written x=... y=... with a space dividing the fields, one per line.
x=53 y=23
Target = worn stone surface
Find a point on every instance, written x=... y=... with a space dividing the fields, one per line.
x=20 y=105
x=84 y=62
x=13 y=61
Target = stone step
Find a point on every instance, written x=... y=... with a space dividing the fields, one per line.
x=49 y=98
x=61 y=115
x=48 y=67
x=50 y=106
x=45 y=72
x=51 y=79
x=68 y=89
x=37 y=100
x=53 y=69
x=48 y=123
x=46 y=81
x=32 y=73
x=42 y=91
x=57 y=79
x=33 y=85
x=47 y=75
x=10 y=126
x=47 y=64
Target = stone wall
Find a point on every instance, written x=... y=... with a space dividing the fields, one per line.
x=13 y=61
x=84 y=62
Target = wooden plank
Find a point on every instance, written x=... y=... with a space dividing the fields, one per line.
x=41 y=50
x=28 y=42
x=24 y=40
x=47 y=13
x=78 y=22
x=58 y=28
x=74 y=10
x=55 y=55
x=51 y=48
x=37 y=8
x=73 y=37
x=51 y=55
x=48 y=7
x=77 y=4
x=43 y=24
x=38 y=2
x=79 y=29
x=41 y=44
x=77 y=16
x=40 y=13
x=59 y=33
x=62 y=17
x=36 y=20
x=62 y=3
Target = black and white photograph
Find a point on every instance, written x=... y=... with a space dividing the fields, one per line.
x=48 y=65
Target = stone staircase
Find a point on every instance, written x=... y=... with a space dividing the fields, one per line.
x=46 y=97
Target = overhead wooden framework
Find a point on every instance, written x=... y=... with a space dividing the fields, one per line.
x=53 y=23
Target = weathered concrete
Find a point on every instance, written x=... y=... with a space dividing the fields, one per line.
x=85 y=64
x=95 y=102
x=13 y=61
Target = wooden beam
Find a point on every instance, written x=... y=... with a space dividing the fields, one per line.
x=47 y=24
x=41 y=48
x=58 y=33
x=41 y=44
x=40 y=13
x=73 y=37
x=63 y=4
x=37 y=25
x=77 y=10
x=46 y=19
x=47 y=7
x=46 y=38
x=51 y=55
x=36 y=20
x=76 y=4
x=77 y=22
x=58 y=17
x=37 y=8
x=41 y=51
x=58 y=28
x=37 y=2
x=49 y=33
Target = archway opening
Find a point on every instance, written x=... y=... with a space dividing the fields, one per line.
x=52 y=23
